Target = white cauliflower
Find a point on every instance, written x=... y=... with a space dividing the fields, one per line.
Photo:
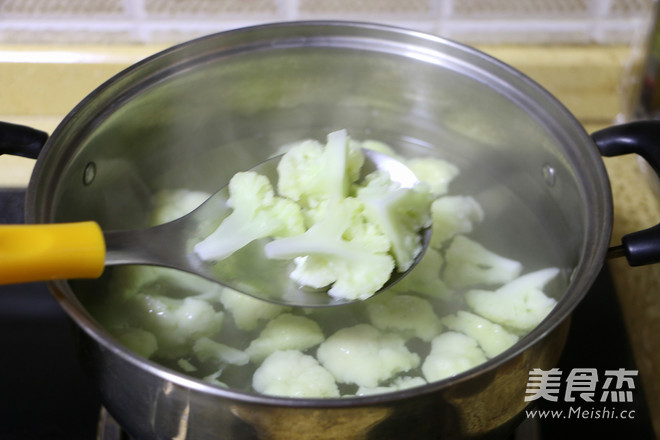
x=425 y=277
x=176 y=323
x=470 y=264
x=256 y=213
x=246 y=311
x=492 y=338
x=398 y=384
x=286 y=332
x=175 y=203
x=349 y=245
x=140 y=341
x=291 y=373
x=214 y=378
x=451 y=216
x=341 y=250
x=436 y=173
x=186 y=366
x=365 y=356
x=401 y=213
x=207 y=349
x=406 y=315
x=451 y=353
x=131 y=280
x=310 y=172
x=520 y=305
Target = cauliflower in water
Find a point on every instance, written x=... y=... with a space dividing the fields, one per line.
x=206 y=349
x=451 y=353
x=140 y=341
x=365 y=356
x=398 y=384
x=436 y=173
x=131 y=280
x=175 y=203
x=491 y=337
x=451 y=216
x=331 y=215
x=246 y=311
x=176 y=323
x=406 y=315
x=469 y=264
x=286 y=332
x=399 y=212
x=257 y=213
x=520 y=305
x=425 y=278
x=341 y=250
x=291 y=373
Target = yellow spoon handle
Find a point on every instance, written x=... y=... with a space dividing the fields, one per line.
x=44 y=252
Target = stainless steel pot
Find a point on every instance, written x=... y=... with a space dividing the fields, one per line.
x=193 y=115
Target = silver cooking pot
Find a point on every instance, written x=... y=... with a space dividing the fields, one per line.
x=193 y=115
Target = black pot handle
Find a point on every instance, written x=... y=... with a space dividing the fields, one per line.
x=20 y=140
x=642 y=138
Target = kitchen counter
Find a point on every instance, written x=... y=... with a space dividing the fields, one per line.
x=42 y=84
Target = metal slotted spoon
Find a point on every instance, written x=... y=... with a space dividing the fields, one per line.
x=45 y=252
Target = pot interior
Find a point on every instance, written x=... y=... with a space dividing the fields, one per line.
x=191 y=117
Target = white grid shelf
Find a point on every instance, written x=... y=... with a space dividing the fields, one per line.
x=470 y=21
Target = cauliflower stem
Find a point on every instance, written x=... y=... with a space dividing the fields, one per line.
x=257 y=213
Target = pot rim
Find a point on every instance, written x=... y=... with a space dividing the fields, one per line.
x=584 y=274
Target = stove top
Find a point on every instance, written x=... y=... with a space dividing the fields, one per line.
x=45 y=395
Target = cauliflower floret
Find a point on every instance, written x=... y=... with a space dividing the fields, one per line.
x=131 y=280
x=247 y=311
x=365 y=356
x=406 y=315
x=175 y=203
x=214 y=379
x=520 y=304
x=492 y=338
x=257 y=213
x=186 y=366
x=310 y=172
x=451 y=353
x=176 y=323
x=286 y=332
x=453 y=215
x=399 y=212
x=207 y=349
x=291 y=373
x=341 y=249
x=469 y=264
x=424 y=278
x=436 y=173
x=140 y=341
x=398 y=384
